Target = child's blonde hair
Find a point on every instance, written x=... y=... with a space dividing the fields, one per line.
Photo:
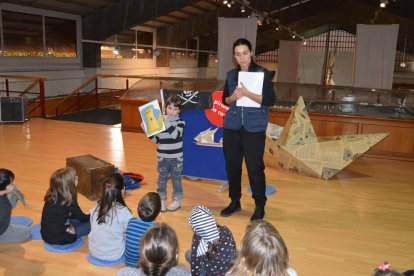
x=263 y=252
x=62 y=182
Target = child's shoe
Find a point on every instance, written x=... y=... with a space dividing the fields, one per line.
x=163 y=206
x=174 y=206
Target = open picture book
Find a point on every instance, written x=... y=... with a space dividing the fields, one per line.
x=152 y=118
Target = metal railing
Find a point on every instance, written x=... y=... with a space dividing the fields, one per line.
x=35 y=99
x=77 y=100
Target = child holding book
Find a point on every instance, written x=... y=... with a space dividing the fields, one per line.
x=170 y=154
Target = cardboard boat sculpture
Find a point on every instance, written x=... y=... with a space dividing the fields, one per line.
x=296 y=148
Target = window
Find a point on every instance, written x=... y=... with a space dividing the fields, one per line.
x=23 y=36
x=130 y=44
x=60 y=37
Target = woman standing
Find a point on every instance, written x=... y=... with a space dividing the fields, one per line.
x=245 y=131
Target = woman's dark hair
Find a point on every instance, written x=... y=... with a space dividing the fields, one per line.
x=112 y=187
x=62 y=182
x=158 y=250
x=149 y=206
x=6 y=178
x=175 y=100
x=245 y=42
x=242 y=41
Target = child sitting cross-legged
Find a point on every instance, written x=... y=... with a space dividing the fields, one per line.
x=62 y=219
x=9 y=233
x=109 y=219
x=158 y=254
x=213 y=249
x=148 y=210
x=263 y=252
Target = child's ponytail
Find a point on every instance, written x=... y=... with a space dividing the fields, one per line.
x=112 y=187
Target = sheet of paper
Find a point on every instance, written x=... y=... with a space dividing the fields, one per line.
x=152 y=118
x=253 y=81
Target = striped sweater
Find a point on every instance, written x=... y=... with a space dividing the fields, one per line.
x=170 y=141
x=135 y=229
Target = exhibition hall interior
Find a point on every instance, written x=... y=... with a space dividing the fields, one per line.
x=87 y=89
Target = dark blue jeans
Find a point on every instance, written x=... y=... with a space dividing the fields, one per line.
x=82 y=228
x=170 y=167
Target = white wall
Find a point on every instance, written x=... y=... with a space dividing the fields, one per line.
x=64 y=75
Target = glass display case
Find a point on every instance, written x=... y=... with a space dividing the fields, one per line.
x=149 y=87
x=334 y=110
x=398 y=104
x=339 y=100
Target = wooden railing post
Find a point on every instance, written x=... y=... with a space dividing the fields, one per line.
x=7 y=87
x=42 y=98
x=96 y=93
x=127 y=84
x=78 y=100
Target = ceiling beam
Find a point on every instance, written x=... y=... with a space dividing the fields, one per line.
x=125 y=14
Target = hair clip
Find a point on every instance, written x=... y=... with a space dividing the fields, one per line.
x=384 y=267
x=108 y=185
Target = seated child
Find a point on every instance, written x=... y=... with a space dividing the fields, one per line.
x=62 y=219
x=213 y=248
x=158 y=254
x=384 y=269
x=148 y=209
x=263 y=252
x=109 y=220
x=9 y=233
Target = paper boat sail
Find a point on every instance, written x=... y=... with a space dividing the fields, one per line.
x=206 y=138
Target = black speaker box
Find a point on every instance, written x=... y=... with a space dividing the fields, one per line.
x=13 y=109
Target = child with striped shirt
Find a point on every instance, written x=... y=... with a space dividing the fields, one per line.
x=148 y=209
x=170 y=154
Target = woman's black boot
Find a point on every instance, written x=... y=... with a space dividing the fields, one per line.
x=259 y=213
x=233 y=207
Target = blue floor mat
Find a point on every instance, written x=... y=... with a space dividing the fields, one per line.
x=270 y=190
x=100 y=262
x=21 y=220
x=59 y=248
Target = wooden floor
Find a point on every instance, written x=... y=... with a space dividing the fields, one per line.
x=345 y=226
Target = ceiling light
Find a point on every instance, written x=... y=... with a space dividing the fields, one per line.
x=293 y=36
x=115 y=51
x=304 y=42
x=225 y=2
x=383 y=3
x=242 y=9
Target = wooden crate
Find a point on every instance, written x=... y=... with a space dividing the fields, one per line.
x=90 y=171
